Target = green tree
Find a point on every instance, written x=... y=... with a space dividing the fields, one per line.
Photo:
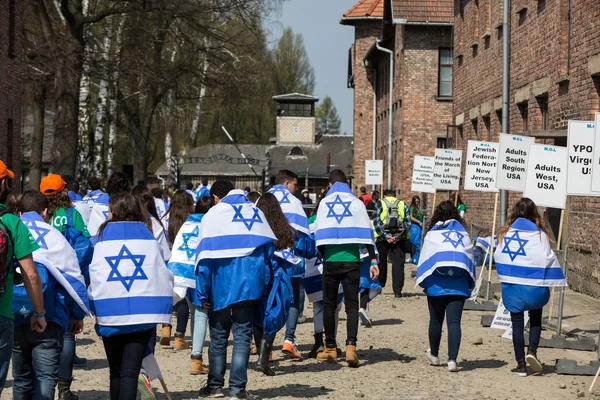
x=292 y=71
x=328 y=120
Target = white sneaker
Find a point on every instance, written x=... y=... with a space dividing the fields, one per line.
x=433 y=360
x=364 y=317
x=453 y=367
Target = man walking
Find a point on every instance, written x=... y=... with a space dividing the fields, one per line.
x=391 y=220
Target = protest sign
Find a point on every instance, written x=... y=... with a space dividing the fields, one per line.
x=512 y=162
x=374 y=172
x=502 y=320
x=446 y=173
x=481 y=167
x=546 y=182
x=581 y=137
x=422 y=177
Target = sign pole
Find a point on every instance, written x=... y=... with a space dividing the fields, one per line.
x=433 y=204
x=491 y=250
x=456 y=199
x=559 y=238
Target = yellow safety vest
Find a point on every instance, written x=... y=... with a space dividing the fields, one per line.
x=384 y=212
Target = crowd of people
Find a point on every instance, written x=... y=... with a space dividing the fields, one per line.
x=233 y=262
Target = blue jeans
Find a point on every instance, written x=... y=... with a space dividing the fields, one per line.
x=67 y=356
x=6 y=346
x=238 y=319
x=199 y=322
x=36 y=359
x=292 y=321
x=450 y=307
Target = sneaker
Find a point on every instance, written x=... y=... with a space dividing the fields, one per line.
x=243 y=395
x=433 y=360
x=521 y=369
x=534 y=363
x=211 y=393
x=144 y=388
x=453 y=366
x=79 y=361
x=291 y=350
x=301 y=319
x=364 y=317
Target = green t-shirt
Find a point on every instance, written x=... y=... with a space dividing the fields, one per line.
x=23 y=244
x=342 y=253
x=419 y=215
x=59 y=221
x=461 y=207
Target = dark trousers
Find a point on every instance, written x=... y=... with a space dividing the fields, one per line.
x=518 y=332
x=349 y=275
x=125 y=354
x=364 y=299
x=183 y=314
x=396 y=251
x=451 y=308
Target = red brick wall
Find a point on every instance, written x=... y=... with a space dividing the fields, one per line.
x=540 y=48
x=11 y=87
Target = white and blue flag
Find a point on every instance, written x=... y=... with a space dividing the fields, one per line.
x=129 y=283
x=484 y=243
x=161 y=207
x=98 y=216
x=342 y=218
x=183 y=255
x=525 y=257
x=83 y=209
x=447 y=244
x=59 y=258
x=292 y=208
x=233 y=228
x=158 y=230
x=313 y=276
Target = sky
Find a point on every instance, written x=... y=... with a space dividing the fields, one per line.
x=327 y=43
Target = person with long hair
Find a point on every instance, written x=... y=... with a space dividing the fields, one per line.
x=61 y=212
x=144 y=196
x=446 y=272
x=128 y=307
x=181 y=207
x=416 y=228
x=527 y=268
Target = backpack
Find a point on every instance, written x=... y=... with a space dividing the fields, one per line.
x=4 y=244
x=21 y=303
x=82 y=245
x=393 y=223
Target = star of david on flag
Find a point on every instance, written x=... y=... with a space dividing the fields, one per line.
x=249 y=222
x=455 y=242
x=284 y=195
x=332 y=213
x=40 y=232
x=105 y=213
x=520 y=251
x=189 y=252
x=116 y=275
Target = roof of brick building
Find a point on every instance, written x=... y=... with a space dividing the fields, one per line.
x=423 y=10
x=365 y=9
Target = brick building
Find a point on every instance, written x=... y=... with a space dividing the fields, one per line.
x=419 y=33
x=554 y=77
x=11 y=83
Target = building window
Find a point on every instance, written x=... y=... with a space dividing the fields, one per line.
x=524 y=110
x=441 y=143
x=543 y=102
x=445 y=73
x=11 y=29
x=295 y=110
x=475 y=128
x=9 y=145
x=488 y=127
x=296 y=151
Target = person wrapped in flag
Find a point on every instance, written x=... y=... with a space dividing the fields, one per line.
x=368 y=288
x=117 y=183
x=95 y=195
x=446 y=272
x=144 y=195
x=232 y=272
x=294 y=260
x=527 y=268
x=131 y=291
x=482 y=247
x=66 y=303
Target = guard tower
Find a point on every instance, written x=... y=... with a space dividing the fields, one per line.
x=295 y=118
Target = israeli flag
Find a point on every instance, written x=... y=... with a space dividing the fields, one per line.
x=161 y=237
x=313 y=277
x=233 y=228
x=525 y=257
x=292 y=208
x=183 y=255
x=129 y=283
x=484 y=243
x=84 y=210
x=98 y=216
x=161 y=207
x=366 y=283
x=150 y=365
x=289 y=255
x=342 y=218
x=59 y=258
x=447 y=244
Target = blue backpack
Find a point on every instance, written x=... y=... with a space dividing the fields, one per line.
x=21 y=305
x=82 y=245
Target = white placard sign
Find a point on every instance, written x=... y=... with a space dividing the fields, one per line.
x=481 y=167
x=503 y=321
x=596 y=158
x=446 y=173
x=422 y=177
x=581 y=154
x=512 y=162
x=546 y=181
x=373 y=172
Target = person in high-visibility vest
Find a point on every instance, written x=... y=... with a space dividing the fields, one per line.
x=391 y=221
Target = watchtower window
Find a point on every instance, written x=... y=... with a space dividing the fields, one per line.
x=295 y=110
x=296 y=151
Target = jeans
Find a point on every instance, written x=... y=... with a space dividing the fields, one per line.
x=518 y=328
x=183 y=314
x=125 y=354
x=36 y=359
x=67 y=356
x=451 y=307
x=364 y=299
x=292 y=321
x=302 y=297
x=6 y=347
x=318 y=307
x=237 y=319
x=348 y=273
x=199 y=323
x=396 y=251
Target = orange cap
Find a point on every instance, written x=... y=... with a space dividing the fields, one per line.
x=4 y=171
x=52 y=185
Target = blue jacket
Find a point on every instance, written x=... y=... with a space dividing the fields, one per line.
x=99 y=196
x=59 y=305
x=305 y=247
x=521 y=298
x=75 y=196
x=447 y=281
x=227 y=281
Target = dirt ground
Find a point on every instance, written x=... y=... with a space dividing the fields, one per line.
x=393 y=363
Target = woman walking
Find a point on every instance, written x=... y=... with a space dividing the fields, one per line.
x=144 y=196
x=416 y=228
x=446 y=272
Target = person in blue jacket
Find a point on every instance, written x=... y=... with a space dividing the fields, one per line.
x=446 y=272
x=96 y=195
x=232 y=271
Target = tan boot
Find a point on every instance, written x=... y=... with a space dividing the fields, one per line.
x=179 y=343
x=328 y=355
x=165 y=336
x=197 y=367
x=351 y=356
